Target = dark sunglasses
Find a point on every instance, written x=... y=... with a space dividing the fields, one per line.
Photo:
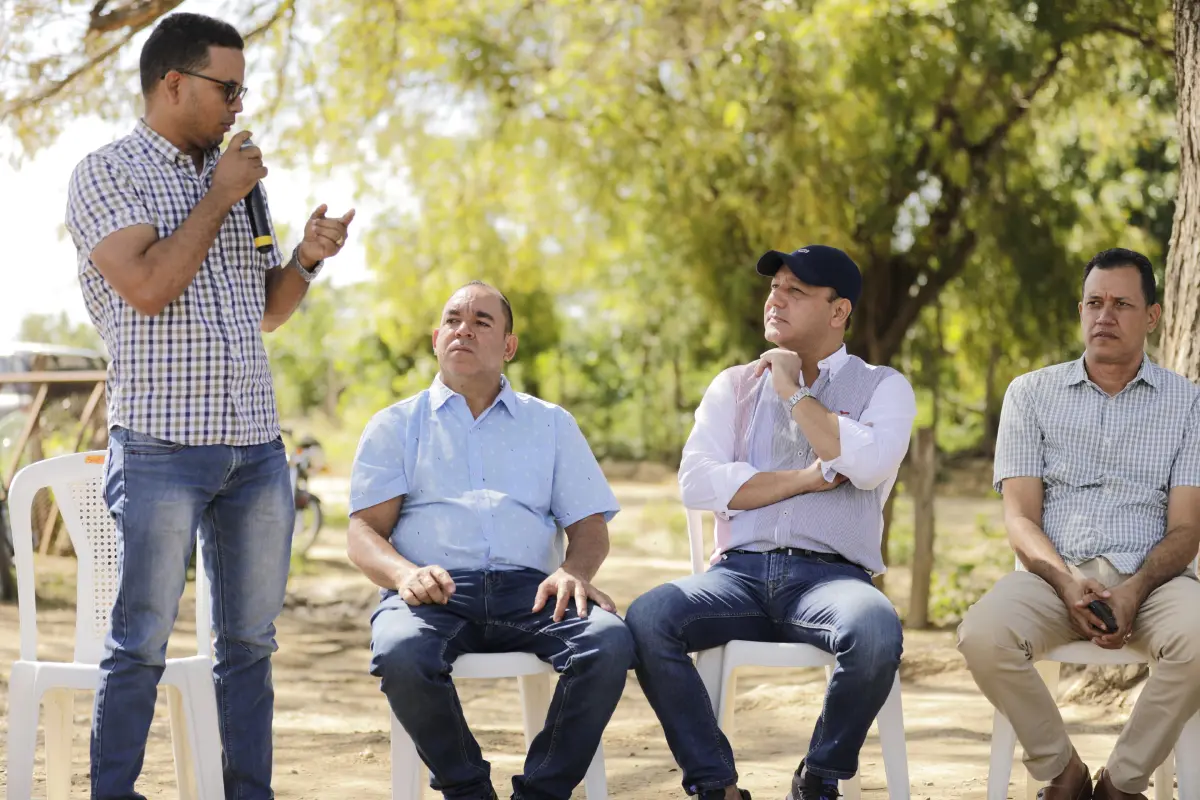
x=233 y=90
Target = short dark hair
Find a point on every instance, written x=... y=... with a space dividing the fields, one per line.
x=1116 y=257
x=508 y=315
x=181 y=41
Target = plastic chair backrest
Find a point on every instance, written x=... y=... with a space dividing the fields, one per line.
x=77 y=481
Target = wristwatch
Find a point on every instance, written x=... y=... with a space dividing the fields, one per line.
x=800 y=394
x=307 y=274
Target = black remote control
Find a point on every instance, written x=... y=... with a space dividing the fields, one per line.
x=1101 y=610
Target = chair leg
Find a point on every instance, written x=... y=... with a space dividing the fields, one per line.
x=708 y=664
x=408 y=773
x=185 y=766
x=852 y=789
x=1004 y=744
x=58 y=719
x=1187 y=767
x=23 y=708
x=536 y=693
x=201 y=725
x=1164 y=779
x=728 y=695
x=1049 y=670
x=890 y=723
x=595 y=782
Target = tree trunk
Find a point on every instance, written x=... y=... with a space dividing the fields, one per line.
x=924 y=479
x=991 y=404
x=1181 y=351
x=880 y=580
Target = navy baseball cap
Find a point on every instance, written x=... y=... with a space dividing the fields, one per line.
x=818 y=265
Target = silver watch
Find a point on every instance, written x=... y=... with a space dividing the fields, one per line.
x=307 y=274
x=800 y=394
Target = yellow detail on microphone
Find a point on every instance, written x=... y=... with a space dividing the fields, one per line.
x=263 y=241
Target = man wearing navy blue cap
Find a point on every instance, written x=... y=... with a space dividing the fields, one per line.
x=796 y=454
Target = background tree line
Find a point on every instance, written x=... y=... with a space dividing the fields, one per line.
x=617 y=166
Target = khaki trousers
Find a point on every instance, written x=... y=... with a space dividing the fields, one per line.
x=1022 y=618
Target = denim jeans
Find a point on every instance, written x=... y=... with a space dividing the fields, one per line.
x=770 y=597
x=240 y=499
x=413 y=649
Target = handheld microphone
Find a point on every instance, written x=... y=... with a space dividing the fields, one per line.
x=260 y=223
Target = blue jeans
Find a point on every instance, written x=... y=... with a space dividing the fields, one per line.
x=769 y=597
x=413 y=650
x=240 y=499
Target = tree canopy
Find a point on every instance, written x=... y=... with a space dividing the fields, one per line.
x=618 y=166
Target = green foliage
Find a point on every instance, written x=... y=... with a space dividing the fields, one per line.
x=58 y=329
x=617 y=166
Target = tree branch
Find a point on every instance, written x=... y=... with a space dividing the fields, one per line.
x=16 y=106
x=135 y=15
x=136 y=18
x=284 y=8
x=982 y=149
x=1138 y=36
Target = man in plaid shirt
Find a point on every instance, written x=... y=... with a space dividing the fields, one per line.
x=176 y=287
x=1099 y=463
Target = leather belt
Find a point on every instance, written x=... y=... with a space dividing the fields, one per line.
x=799 y=551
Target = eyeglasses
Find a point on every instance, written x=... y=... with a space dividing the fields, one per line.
x=234 y=91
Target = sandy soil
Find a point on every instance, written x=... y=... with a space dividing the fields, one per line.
x=331 y=721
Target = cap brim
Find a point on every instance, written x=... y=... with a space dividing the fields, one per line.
x=770 y=263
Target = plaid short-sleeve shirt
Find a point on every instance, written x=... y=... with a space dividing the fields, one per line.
x=1107 y=463
x=197 y=372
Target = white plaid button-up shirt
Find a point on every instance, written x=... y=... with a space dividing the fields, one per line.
x=197 y=373
x=1107 y=463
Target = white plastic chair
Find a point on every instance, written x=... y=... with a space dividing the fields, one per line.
x=718 y=667
x=77 y=483
x=536 y=680
x=1004 y=738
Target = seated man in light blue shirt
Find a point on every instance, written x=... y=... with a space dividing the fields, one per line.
x=457 y=498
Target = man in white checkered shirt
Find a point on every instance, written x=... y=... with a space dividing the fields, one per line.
x=1099 y=463
x=180 y=294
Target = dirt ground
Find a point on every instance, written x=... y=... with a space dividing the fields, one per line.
x=331 y=722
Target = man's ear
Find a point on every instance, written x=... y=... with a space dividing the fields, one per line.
x=1155 y=312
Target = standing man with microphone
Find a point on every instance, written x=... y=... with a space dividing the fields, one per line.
x=178 y=289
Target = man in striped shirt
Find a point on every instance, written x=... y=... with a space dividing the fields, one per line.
x=1098 y=460
x=796 y=454
x=180 y=294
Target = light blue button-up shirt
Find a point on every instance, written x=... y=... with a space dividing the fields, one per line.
x=486 y=493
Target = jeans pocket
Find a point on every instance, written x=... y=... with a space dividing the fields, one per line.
x=143 y=444
x=276 y=444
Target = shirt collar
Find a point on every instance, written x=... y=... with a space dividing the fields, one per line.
x=834 y=362
x=1148 y=373
x=440 y=394
x=159 y=144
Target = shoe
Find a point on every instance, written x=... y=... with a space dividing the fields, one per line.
x=1074 y=784
x=1106 y=791
x=806 y=786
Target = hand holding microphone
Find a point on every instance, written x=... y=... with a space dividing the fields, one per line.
x=239 y=170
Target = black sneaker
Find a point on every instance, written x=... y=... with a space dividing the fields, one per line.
x=806 y=786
